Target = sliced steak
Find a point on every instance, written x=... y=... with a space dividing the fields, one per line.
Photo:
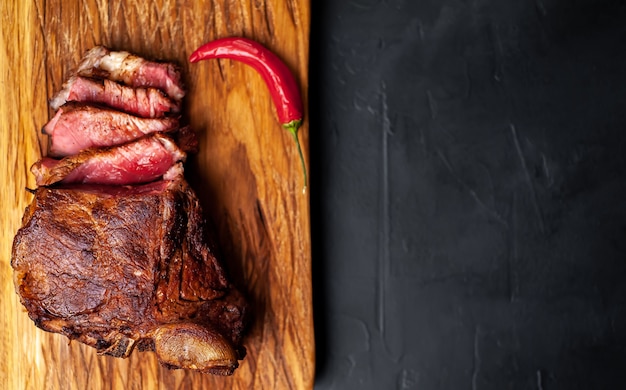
x=132 y=70
x=143 y=102
x=140 y=161
x=113 y=250
x=123 y=267
x=78 y=126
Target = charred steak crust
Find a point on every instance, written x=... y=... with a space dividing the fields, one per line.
x=125 y=267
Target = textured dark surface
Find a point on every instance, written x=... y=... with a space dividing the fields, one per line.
x=468 y=185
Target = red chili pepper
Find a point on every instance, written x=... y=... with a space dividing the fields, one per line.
x=279 y=79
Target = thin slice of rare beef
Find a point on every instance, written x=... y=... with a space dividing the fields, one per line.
x=135 y=162
x=78 y=126
x=119 y=267
x=132 y=70
x=143 y=102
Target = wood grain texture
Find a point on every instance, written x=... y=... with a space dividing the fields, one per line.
x=247 y=175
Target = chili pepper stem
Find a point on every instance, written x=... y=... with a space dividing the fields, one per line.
x=293 y=127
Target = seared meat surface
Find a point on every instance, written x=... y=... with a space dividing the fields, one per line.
x=118 y=267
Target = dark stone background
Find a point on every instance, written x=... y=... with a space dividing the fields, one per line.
x=469 y=193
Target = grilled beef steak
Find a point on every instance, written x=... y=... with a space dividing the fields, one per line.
x=113 y=251
x=78 y=126
x=143 y=102
x=140 y=161
x=132 y=70
x=119 y=267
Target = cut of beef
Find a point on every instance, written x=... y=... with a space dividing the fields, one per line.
x=113 y=251
x=119 y=267
x=143 y=102
x=77 y=127
x=140 y=161
x=132 y=70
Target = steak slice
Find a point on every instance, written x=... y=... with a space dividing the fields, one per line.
x=129 y=266
x=140 y=161
x=77 y=127
x=132 y=70
x=143 y=102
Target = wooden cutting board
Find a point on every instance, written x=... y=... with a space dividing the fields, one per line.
x=247 y=175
